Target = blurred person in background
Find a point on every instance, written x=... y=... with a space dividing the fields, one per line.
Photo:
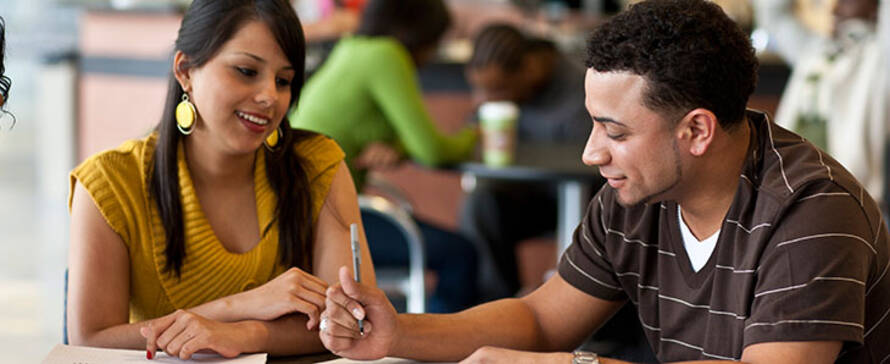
x=838 y=95
x=222 y=229
x=368 y=98
x=508 y=65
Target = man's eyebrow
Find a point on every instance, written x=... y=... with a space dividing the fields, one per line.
x=604 y=119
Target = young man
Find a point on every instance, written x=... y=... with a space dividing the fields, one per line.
x=736 y=239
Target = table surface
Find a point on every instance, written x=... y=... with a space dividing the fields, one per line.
x=539 y=162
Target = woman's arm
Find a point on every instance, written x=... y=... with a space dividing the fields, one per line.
x=98 y=280
x=98 y=296
x=332 y=249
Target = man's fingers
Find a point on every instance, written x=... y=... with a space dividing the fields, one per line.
x=336 y=344
x=337 y=328
x=338 y=297
x=350 y=286
x=341 y=317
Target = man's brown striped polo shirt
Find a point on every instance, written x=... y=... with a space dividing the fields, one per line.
x=802 y=255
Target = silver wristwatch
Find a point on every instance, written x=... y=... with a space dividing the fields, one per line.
x=585 y=357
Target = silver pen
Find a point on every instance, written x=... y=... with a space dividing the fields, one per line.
x=356 y=263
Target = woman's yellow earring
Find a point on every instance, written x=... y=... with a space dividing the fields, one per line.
x=273 y=139
x=185 y=115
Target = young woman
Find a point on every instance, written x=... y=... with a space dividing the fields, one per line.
x=221 y=230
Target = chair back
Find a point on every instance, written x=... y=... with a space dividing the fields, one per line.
x=407 y=281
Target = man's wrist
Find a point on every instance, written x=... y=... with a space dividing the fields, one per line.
x=257 y=335
x=396 y=347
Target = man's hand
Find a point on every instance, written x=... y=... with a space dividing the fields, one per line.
x=493 y=355
x=348 y=302
x=182 y=334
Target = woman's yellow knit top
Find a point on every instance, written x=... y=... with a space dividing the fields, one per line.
x=117 y=181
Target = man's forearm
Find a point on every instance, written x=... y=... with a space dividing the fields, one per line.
x=284 y=336
x=508 y=323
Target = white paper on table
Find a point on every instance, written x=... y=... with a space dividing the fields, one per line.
x=68 y=354
x=380 y=361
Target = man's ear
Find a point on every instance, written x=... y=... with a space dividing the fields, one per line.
x=697 y=129
x=182 y=71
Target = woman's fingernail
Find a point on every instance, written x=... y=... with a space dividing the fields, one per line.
x=148 y=355
x=356 y=313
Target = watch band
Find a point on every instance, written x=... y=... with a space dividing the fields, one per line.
x=585 y=357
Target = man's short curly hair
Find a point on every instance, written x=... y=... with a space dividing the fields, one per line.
x=690 y=53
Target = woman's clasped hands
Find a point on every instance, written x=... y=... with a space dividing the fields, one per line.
x=219 y=326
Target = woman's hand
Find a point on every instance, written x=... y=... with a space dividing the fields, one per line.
x=182 y=334
x=292 y=291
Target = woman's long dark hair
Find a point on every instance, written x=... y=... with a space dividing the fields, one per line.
x=206 y=26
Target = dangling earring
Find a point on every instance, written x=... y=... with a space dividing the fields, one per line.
x=273 y=139
x=185 y=115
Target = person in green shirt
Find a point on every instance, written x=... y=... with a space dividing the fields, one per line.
x=367 y=92
x=367 y=97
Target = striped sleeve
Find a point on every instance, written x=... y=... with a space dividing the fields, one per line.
x=585 y=263
x=812 y=277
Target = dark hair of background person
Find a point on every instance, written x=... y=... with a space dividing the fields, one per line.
x=206 y=26
x=417 y=24
x=690 y=53
x=505 y=46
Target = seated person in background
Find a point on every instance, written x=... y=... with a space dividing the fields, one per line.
x=197 y=236
x=736 y=239
x=549 y=90
x=367 y=97
x=838 y=95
